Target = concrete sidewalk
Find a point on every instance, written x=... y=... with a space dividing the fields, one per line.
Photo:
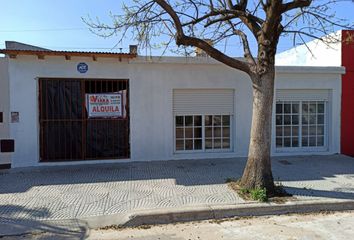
x=73 y=198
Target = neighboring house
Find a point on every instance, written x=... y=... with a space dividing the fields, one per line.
x=4 y=114
x=76 y=107
x=338 y=53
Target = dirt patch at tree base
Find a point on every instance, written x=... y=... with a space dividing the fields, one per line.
x=280 y=196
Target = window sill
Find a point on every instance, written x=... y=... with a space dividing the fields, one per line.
x=291 y=150
x=204 y=152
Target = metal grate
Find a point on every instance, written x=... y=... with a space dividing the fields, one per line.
x=67 y=133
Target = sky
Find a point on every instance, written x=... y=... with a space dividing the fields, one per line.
x=58 y=25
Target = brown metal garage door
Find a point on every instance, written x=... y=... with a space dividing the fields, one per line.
x=70 y=132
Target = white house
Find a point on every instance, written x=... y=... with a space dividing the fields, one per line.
x=64 y=107
x=336 y=50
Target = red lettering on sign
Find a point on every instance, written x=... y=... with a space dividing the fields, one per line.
x=93 y=99
x=105 y=109
x=99 y=99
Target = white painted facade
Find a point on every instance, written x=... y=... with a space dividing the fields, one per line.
x=5 y=158
x=151 y=83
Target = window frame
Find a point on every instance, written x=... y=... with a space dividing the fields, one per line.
x=204 y=150
x=184 y=137
x=301 y=148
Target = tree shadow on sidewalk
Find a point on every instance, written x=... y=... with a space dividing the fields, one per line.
x=27 y=223
x=343 y=194
x=183 y=172
x=307 y=168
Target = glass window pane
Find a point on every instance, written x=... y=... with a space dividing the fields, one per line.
x=217 y=120
x=312 y=131
x=312 y=119
x=197 y=132
x=287 y=119
x=305 y=130
x=226 y=143
x=179 y=133
x=279 y=131
x=217 y=132
x=279 y=142
x=217 y=143
x=188 y=120
x=197 y=120
x=208 y=144
x=179 y=145
x=198 y=144
x=279 y=119
x=226 y=120
x=208 y=120
x=295 y=108
x=189 y=144
x=287 y=108
x=208 y=132
x=179 y=121
x=312 y=108
x=295 y=131
x=320 y=107
x=305 y=142
x=320 y=119
x=320 y=130
x=226 y=132
x=295 y=142
x=287 y=142
x=312 y=142
x=320 y=141
x=287 y=131
x=305 y=107
x=295 y=119
x=305 y=119
x=279 y=108
x=188 y=132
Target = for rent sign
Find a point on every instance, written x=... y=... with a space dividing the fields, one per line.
x=104 y=105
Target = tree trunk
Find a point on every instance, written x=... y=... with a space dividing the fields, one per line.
x=258 y=170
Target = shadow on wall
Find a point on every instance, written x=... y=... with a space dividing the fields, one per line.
x=12 y=225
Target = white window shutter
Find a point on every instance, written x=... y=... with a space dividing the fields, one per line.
x=203 y=101
x=302 y=94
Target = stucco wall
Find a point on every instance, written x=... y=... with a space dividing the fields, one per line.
x=4 y=107
x=151 y=86
x=328 y=81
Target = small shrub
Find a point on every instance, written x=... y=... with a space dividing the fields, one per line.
x=259 y=194
x=244 y=191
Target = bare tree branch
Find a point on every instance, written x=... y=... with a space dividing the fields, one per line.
x=182 y=39
x=295 y=4
x=191 y=22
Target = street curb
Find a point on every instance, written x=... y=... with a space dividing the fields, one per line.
x=174 y=215
x=198 y=213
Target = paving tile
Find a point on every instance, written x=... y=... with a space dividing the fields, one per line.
x=74 y=192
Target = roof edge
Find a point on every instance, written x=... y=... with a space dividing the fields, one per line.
x=310 y=69
x=68 y=54
x=167 y=60
x=211 y=61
